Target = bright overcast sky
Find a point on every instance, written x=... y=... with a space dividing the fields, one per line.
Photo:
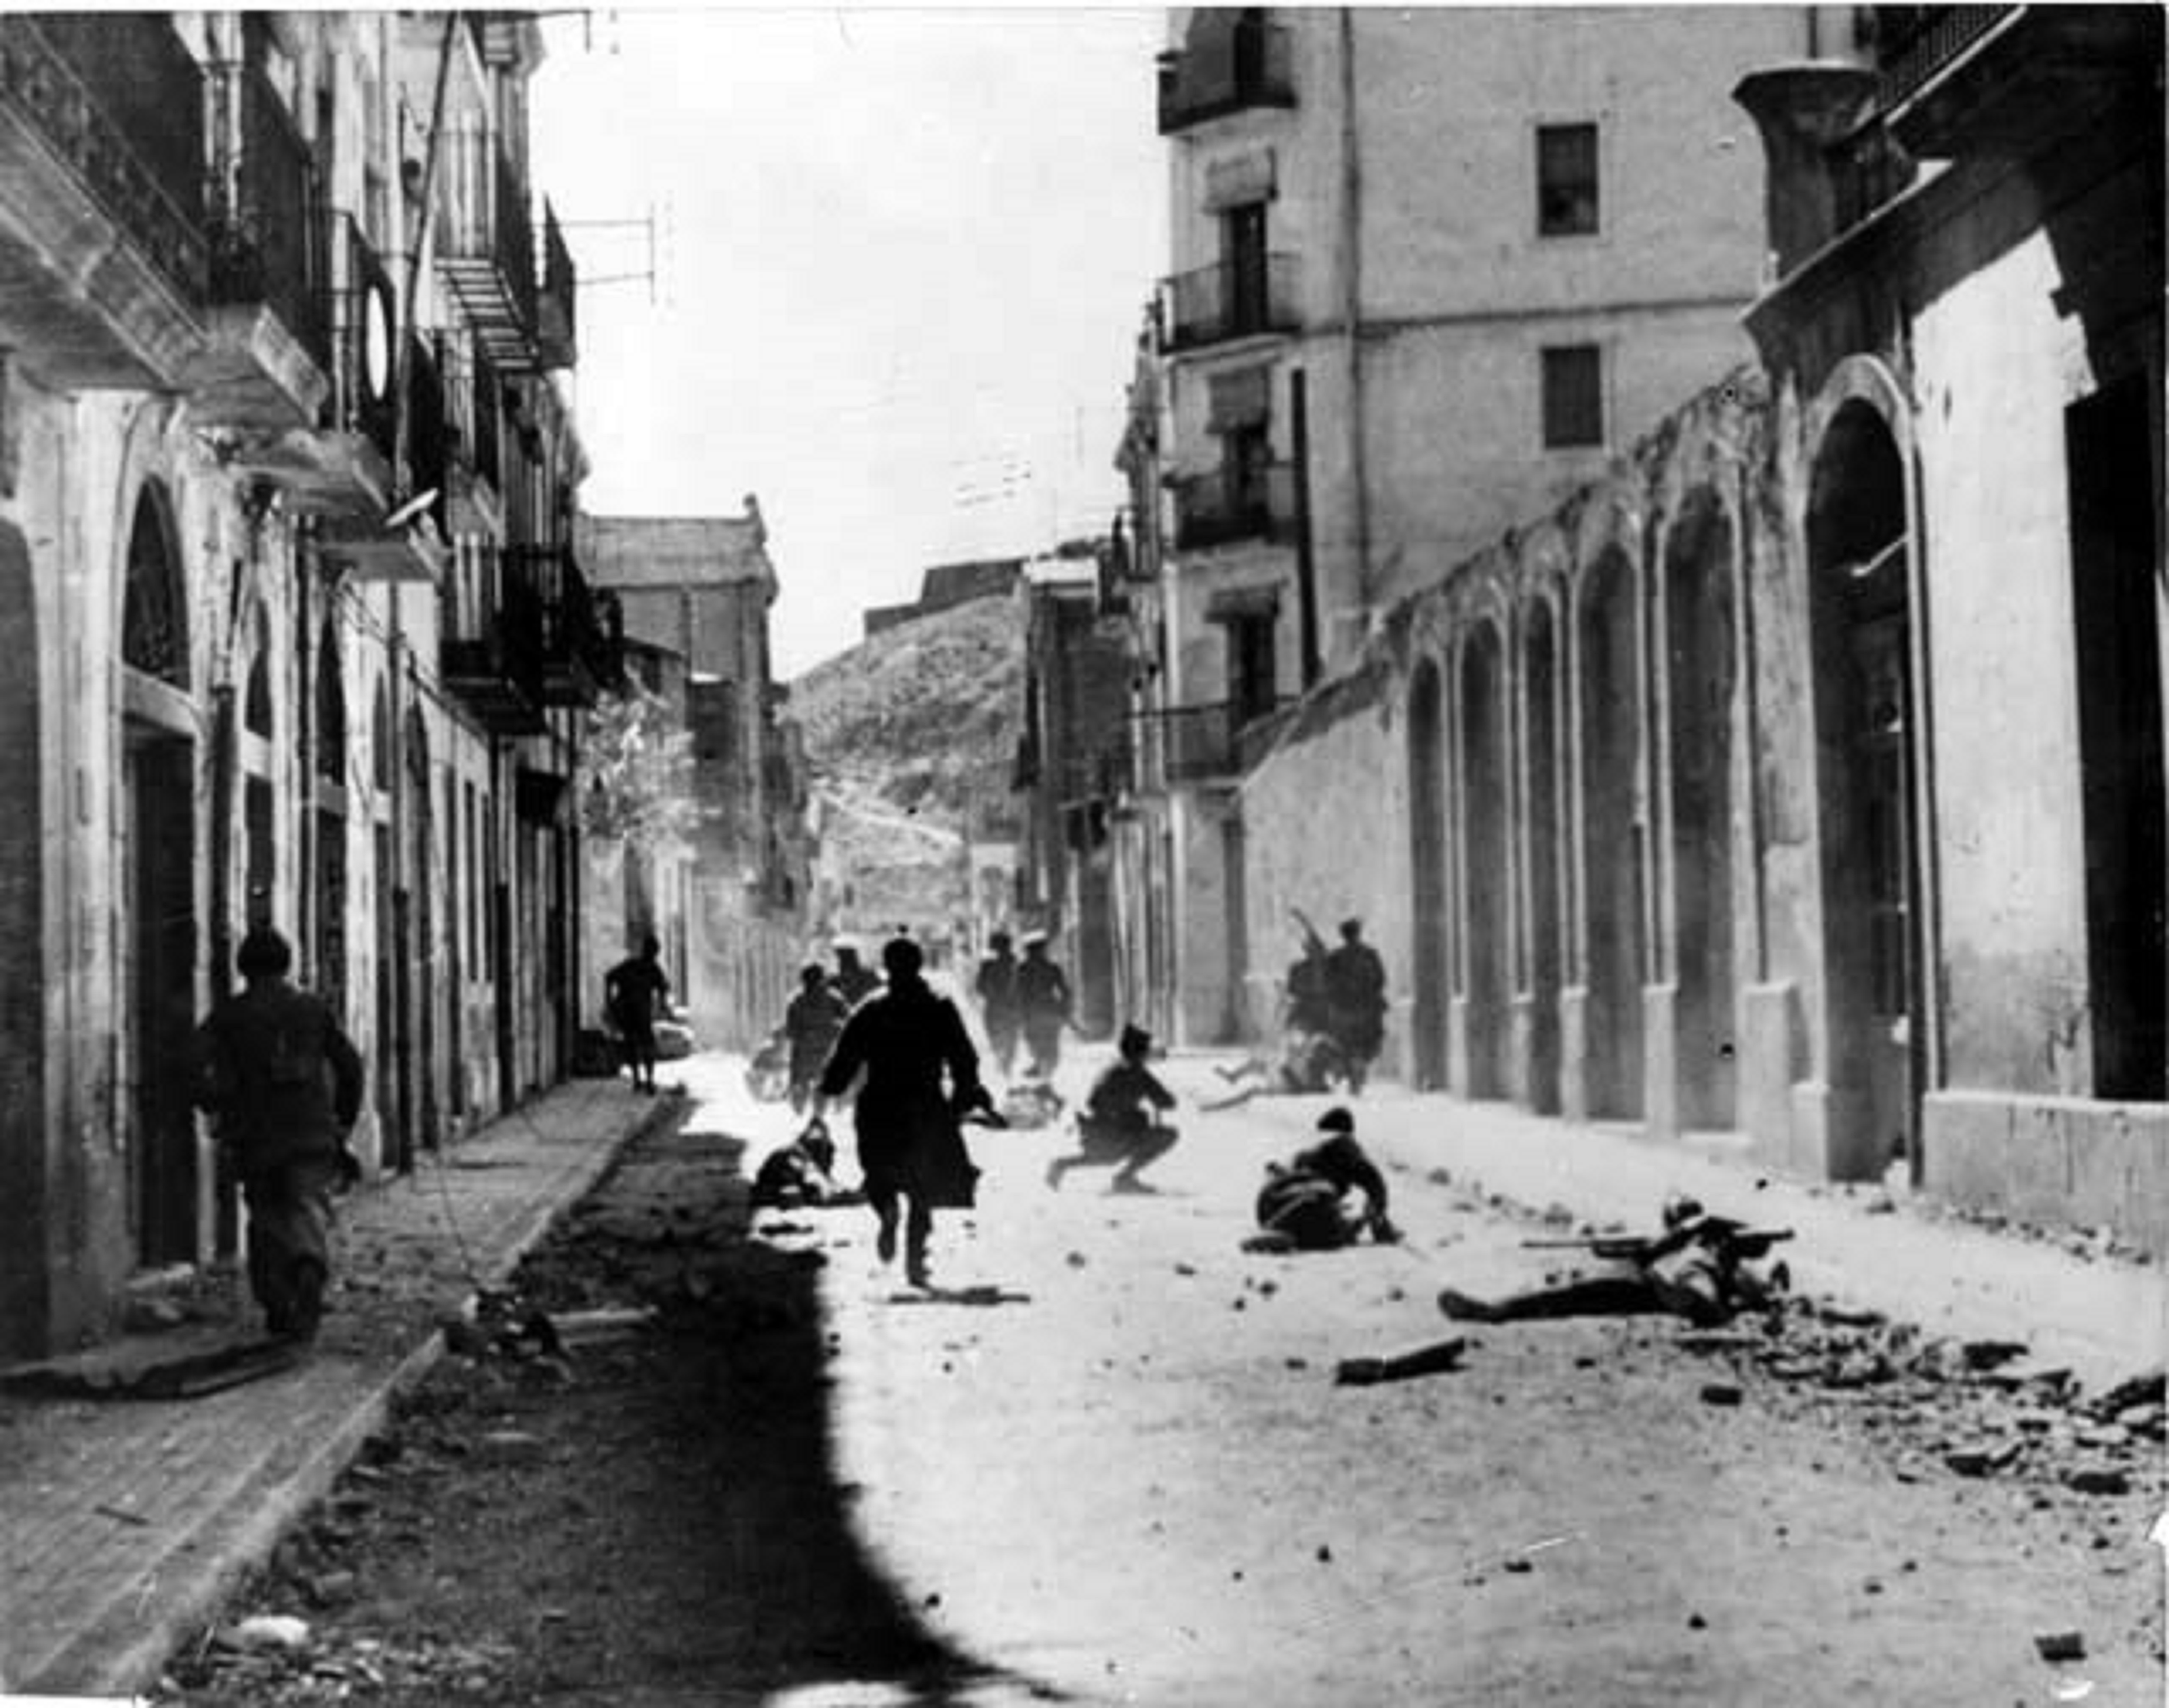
x=904 y=261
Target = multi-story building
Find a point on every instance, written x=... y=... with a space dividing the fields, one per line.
x=1965 y=337
x=1431 y=271
x=1072 y=762
x=282 y=509
x=1801 y=776
x=701 y=587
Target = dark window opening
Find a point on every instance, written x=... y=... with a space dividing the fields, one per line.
x=1244 y=269
x=2111 y=461
x=1574 y=397
x=1566 y=180
x=1250 y=665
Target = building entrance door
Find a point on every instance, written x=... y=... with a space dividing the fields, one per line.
x=160 y=865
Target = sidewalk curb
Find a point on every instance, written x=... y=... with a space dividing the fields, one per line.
x=121 y=1651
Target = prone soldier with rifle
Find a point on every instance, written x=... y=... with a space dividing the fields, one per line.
x=1704 y=1267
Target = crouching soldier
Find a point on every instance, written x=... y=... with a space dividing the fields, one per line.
x=284 y=1085
x=802 y=1173
x=1119 y=1123
x=1303 y=1203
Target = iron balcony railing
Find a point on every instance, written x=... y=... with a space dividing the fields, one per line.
x=492 y=658
x=1207 y=743
x=270 y=233
x=556 y=309
x=119 y=100
x=486 y=246
x=1918 y=41
x=1234 y=504
x=579 y=646
x=1234 y=298
x=1247 y=67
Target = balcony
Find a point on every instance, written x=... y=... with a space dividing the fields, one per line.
x=1997 y=81
x=1244 y=66
x=1213 y=743
x=340 y=466
x=558 y=308
x=486 y=248
x=103 y=257
x=408 y=543
x=1230 y=507
x=493 y=661
x=476 y=411
x=1230 y=300
x=266 y=364
x=581 y=635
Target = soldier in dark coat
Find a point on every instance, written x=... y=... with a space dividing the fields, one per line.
x=635 y=991
x=284 y=1083
x=996 y=989
x=921 y=1076
x=813 y=1022
x=1356 y=1003
x=1043 y=1000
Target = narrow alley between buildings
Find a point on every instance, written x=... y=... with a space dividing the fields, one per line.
x=1104 y=1458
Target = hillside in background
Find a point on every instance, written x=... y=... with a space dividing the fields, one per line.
x=906 y=731
x=923 y=717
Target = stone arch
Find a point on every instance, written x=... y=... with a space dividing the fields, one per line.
x=1607 y=646
x=154 y=611
x=1427 y=852
x=1701 y=677
x=1861 y=585
x=1544 y=912
x=1485 y=814
x=25 y=1283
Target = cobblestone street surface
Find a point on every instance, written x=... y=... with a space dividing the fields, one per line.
x=1106 y=1459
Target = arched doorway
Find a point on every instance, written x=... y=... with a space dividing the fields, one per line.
x=25 y=1310
x=1540 y=727
x=157 y=811
x=1701 y=681
x=1487 y=896
x=1611 y=841
x=1427 y=864
x=1861 y=623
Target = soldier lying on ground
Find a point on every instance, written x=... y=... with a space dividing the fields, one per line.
x=1308 y=1063
x=1302 y=1205
x=800 y=1175
x=1701 y=1267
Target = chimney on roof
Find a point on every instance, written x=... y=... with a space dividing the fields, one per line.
x=753 y=515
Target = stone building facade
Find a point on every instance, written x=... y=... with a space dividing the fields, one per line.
x=282 y=562
x=699 y=587
x=1802 y=776
x=1431 y=271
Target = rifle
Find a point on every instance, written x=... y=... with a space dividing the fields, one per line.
x=1735 y=1240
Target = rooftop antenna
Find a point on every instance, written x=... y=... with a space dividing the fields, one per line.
x=646 y=274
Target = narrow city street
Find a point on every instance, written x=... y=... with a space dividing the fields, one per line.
x=1106 y=1459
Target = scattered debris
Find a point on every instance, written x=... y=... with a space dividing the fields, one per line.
x=1434 y=1359
x=2060 y=1645
x=608 y=1322
x=2098 y=1479
x=270 y=1631
x=1721 y=1393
